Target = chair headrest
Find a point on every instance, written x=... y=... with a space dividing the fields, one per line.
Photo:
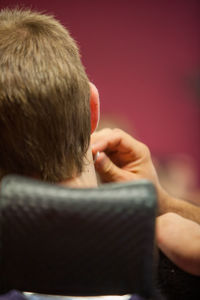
x=66 y=241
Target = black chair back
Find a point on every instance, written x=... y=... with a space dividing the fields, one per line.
x=64 y=241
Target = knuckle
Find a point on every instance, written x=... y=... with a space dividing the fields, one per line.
x=104 y=131
x=107 y=129
x=117 y=131
x=146 y=150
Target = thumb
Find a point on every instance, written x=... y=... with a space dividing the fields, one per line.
x=106 y=169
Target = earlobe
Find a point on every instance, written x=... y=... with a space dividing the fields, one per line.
x=94 y=107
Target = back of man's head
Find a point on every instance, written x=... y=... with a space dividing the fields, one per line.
x=44 y=98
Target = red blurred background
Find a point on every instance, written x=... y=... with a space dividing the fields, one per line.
x=144 y=57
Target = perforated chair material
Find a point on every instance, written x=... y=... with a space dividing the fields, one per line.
x=63 y=241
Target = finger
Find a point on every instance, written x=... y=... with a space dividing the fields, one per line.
x=108 y=171
x=99 y=135
x=118 y=141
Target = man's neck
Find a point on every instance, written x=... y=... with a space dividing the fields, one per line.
x=87 y=179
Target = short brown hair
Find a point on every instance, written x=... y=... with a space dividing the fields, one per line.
x=44 y=98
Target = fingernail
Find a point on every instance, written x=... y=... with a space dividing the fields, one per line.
x=96 y=156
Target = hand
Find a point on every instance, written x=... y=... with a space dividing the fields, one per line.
x=122 y=158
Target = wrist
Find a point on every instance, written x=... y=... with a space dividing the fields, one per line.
x=164 y=201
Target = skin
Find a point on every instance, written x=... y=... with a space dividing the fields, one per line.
x=122 y=158
x=87 y=179
x=179 y=239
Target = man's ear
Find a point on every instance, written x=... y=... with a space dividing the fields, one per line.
x=94 y=107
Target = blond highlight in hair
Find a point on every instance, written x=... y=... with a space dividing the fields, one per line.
x=44 y=98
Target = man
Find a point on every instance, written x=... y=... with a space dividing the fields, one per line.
x=48 y=108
